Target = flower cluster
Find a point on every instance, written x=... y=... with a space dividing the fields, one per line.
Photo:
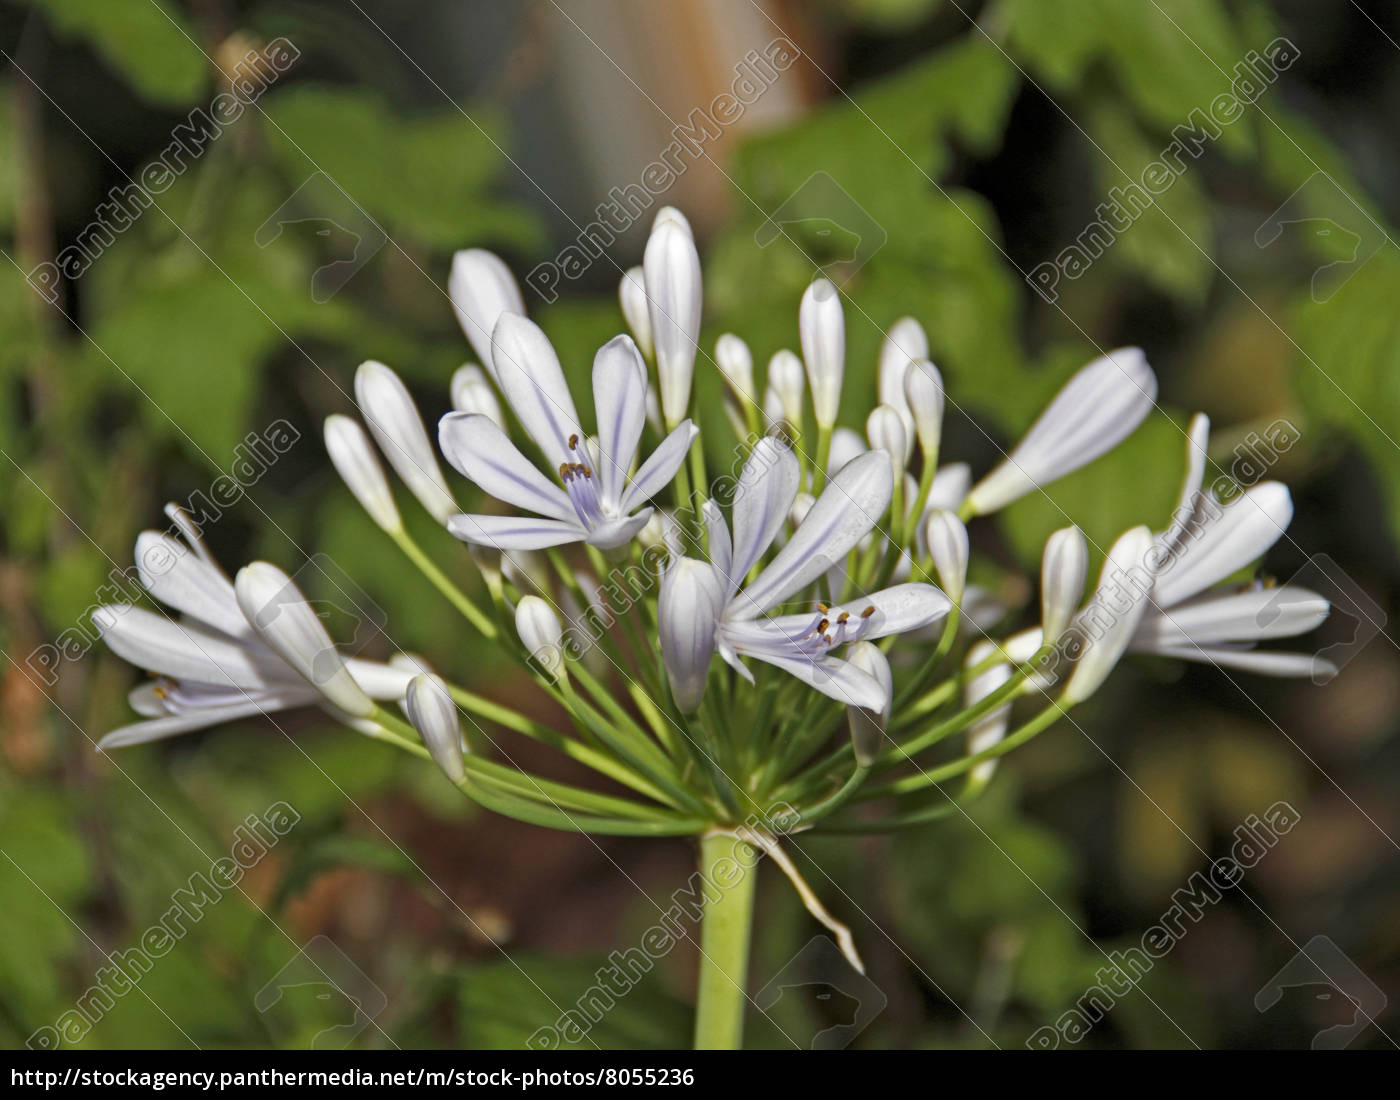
x=794 y=633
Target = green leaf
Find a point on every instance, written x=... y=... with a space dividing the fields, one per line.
x=149 y=42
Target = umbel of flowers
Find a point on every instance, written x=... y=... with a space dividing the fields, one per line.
x=787 y=644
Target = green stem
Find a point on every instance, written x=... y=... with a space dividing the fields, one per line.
x=725 y=931
x=455 y=596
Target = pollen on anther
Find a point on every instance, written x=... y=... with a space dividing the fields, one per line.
x=573 y=442
x=868 y=612
x=844 y=616
x=823 y=608
x=565 y=470
x=821 y=626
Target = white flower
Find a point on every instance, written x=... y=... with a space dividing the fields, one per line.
x=599 y=506
x=1063 y=569
x=354 y=459
x=632 y=296
x=472 y=393
x=482 y=288
x=672 y=273
x=211 y=665
x=947 y=544
x=868 y=725
x=1095 y=411
x=1208 y=542
x=434 y=715
x=991 y=727
x=803 y=644
x=821 y=326
x=1108 y=623
x=540 y=632
x=394 y=422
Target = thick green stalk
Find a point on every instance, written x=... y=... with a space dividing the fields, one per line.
x=730 y=868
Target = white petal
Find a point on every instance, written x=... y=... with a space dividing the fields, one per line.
x=385 y=681
x=289 y=625
x=157 y=729
x=838 y=679
x=672 y=270
x=184 y=651
x=620 y=400
x=767 y=486
x=991 y=727
x=482 y=288
x=845 y=445
x=721 y=545
x=632 y=296
x=530 y=376
x=514 y=532
x=1095 y=411
x=354 y=460
x=1111 y=619
x=1233 y=617
x=1262 y=662
x=472 y=393
x=434 y=715
x=821 y=324
x=659 y=470
x=850 y=505
x=687 y=612
x=901 y=608
x=1226 y=539
x=393 y=420
x=179 y=578
x=479 y=450
x=950 y=485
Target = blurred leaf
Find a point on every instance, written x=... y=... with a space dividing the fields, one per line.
x=429 y=176
x=503 y=1004
x=148 y=41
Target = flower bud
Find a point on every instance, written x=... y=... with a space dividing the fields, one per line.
x=1062 y=573
x=394 y=422
x=947 y=543
x=472 y=393
x=279 y=613
x=482 y=288
x=632 y=296
x=671 y=268
x=923 y=390
x=868 y=726
x=885 y=431
x=905 y=341
x=434 y=715
x=687 y=612
x=787 y=381
x=735 y=362
x=822 y=328
x=541 y=633
x=991 y=727
x=354 y=460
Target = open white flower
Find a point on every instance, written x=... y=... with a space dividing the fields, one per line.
x=1190 y=618
x=482 y=288
x=804 y=644
x=211 y=665
x=1095 y=411
x=602 y=506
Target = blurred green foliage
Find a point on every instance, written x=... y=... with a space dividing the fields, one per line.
x=188 y=333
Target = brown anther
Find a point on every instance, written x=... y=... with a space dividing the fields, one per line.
x=868 y=612
x=844 y=616
x=159 y=691
x=584 y=470
x=821 y=626
x=564 y=471
x=823 y=608
x=573 y=442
